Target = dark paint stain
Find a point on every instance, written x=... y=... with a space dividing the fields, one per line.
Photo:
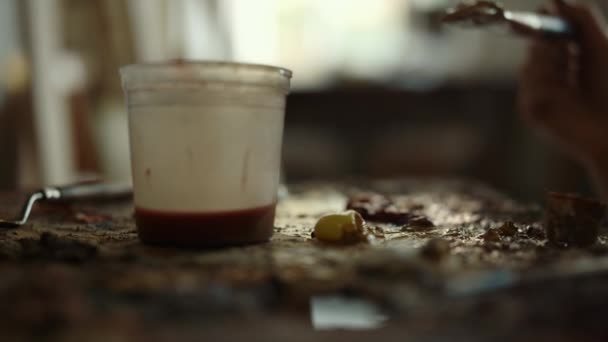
x=148 y=172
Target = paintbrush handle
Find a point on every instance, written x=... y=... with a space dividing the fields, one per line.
x=546 y=26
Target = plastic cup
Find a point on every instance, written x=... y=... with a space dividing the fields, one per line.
x=205 y=142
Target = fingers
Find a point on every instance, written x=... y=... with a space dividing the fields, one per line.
x=555 y=113
x=539 y=106
x=558 y=77
x=549 y=55
x=546 y=81
x=587 y=20
x=547 y=63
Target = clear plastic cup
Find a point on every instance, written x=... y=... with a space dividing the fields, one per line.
x=206 y=142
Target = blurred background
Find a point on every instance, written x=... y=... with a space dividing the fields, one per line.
x=380 y=89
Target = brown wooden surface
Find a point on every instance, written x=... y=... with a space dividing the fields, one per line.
x=78 y=271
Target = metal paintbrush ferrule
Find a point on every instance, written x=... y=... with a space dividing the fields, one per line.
x=527 y=23
x=488 y=14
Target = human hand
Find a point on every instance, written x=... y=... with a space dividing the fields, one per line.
x=564 y=87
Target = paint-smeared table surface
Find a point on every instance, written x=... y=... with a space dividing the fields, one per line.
x=77 y=271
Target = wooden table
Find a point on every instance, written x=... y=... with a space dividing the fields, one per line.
x=78 y=272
